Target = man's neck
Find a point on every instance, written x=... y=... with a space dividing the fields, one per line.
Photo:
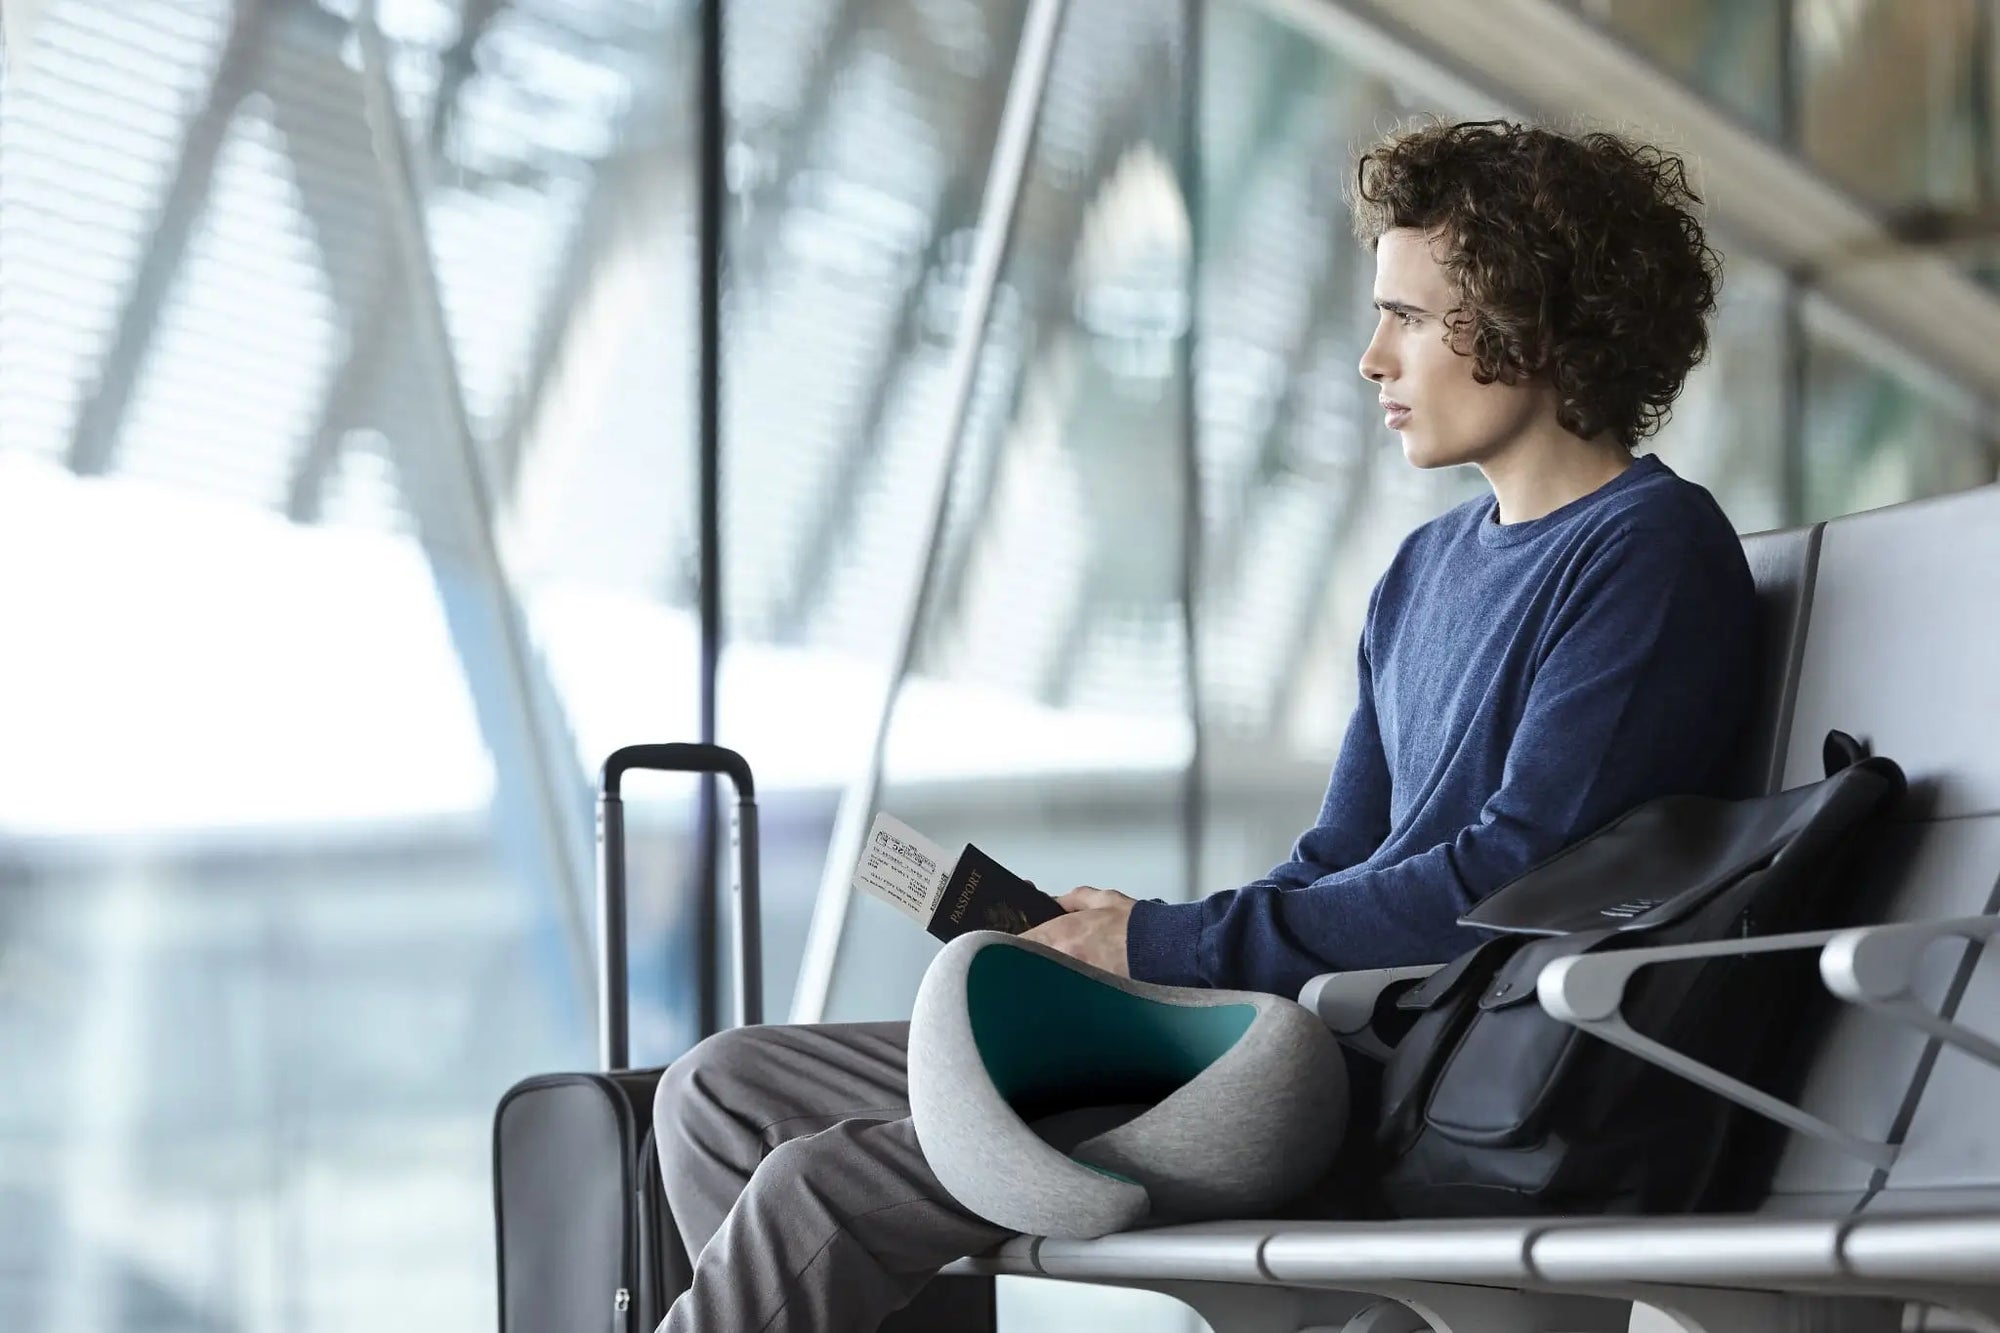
x=1542 y=473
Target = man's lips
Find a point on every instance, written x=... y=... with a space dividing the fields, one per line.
x=1395 y=413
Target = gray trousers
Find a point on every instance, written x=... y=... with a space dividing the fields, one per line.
x=793 y=1175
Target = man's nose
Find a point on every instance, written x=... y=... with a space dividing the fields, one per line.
x=1374 y=365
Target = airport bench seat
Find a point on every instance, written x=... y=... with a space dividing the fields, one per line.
x=1886 y=625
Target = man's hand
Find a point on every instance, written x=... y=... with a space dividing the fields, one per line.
x=1091 y=929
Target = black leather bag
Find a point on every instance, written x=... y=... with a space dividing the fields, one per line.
x=1491 y=1106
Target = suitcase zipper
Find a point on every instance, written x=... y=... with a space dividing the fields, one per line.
x=629 y=1270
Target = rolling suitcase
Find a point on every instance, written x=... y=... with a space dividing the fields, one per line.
x=585 y=1241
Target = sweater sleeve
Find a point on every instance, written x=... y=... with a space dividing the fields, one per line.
x=1640 y=692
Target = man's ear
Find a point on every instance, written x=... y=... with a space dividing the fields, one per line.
x=1460 y=329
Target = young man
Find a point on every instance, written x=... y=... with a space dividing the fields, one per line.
x=1532 y=664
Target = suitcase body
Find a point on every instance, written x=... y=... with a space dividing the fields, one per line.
x=578 y=1208
x=584 y=1237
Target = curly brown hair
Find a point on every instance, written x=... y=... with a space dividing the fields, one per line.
x=1574 y=258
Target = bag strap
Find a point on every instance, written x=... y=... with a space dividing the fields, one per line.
x=1473 y=968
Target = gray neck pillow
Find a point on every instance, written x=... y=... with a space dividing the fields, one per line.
x=1060 y=1100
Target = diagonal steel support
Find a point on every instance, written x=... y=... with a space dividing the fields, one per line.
x=1043 y=296
x=414 y=397
x=456 y=67
x=592 y=237
x=94 y=440
x=997 y=216
x=374 y=386
x=1127 y=127
x=829 y=525
x=764 y=204
x=611 y=219
x=357 y=390
x=540 y=775
x=358 y=394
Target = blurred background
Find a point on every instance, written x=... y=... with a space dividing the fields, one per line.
x=320 y=611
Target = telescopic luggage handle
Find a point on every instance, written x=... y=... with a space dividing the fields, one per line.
x=614 y=1033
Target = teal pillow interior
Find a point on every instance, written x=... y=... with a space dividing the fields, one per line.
x=1052 y=1038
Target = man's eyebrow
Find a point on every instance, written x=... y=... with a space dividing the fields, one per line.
x=1400 y=308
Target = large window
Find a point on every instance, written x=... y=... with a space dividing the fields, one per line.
x=334 y=558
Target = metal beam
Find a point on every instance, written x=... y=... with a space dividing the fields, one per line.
x=372 y=386
x=590 y=240
x=1191 y=162
x=456 y=66
x=711 y=233
x=1043 y=299
x=602 y=222
x=543 y=803
x=764 y=203
x=998 y=211
x=1539 y=58
x=1067 y=658
x=1324 y=311
x=618 y=181
x=1282 y=83
x=829 y=525
x=101 y=417
x=354 y=395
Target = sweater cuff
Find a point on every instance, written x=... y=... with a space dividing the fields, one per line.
x=1163 y=943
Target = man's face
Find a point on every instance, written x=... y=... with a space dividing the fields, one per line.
x=1429 y=396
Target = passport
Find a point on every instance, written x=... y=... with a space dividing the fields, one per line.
x=947 y=895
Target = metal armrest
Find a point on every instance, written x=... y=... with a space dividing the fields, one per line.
x=1345 y=1002
x=1876 y=968
x=1586 y=991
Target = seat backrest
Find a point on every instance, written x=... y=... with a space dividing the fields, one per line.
x=1782 y=563
x=1901 y=647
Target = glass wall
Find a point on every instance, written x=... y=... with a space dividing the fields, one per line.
x=1732 y=50
x=1895 y=103
x=1879 y=430
x=1896 y=100
x=335 y=555
x=293 y=845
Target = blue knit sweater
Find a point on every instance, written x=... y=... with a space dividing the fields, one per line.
x=1520 y=685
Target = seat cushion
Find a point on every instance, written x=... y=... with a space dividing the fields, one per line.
x=1058 y=1099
